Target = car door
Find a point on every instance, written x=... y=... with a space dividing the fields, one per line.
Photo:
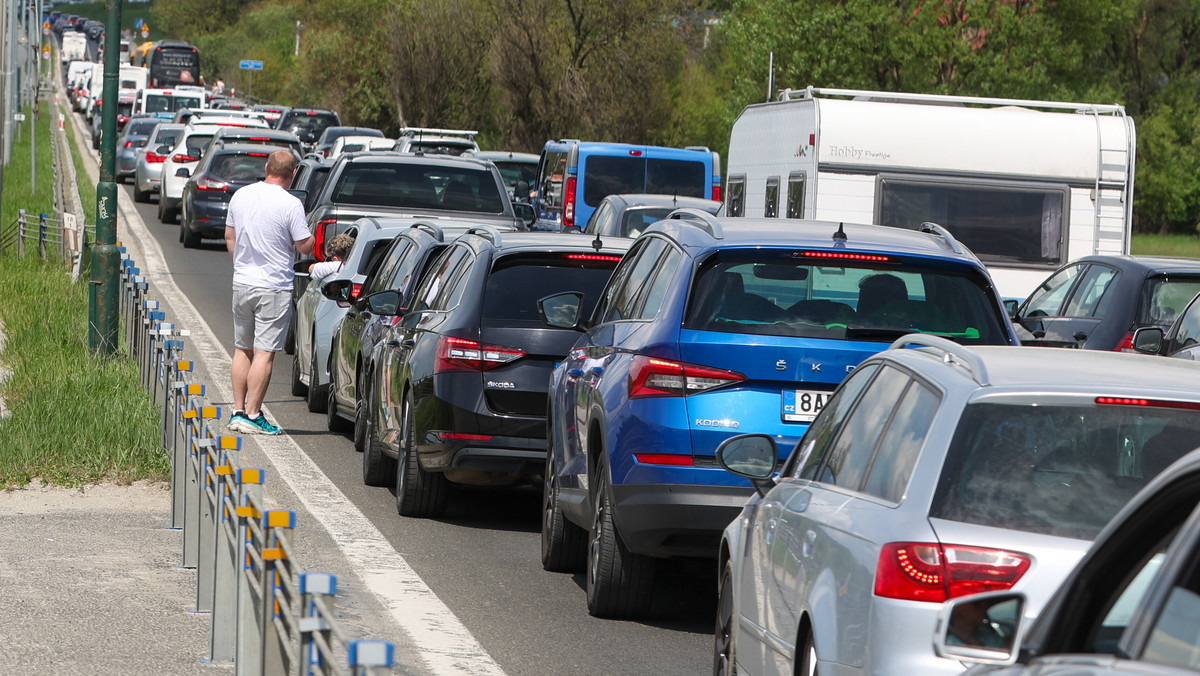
x=348 y=345
x=1040 y=312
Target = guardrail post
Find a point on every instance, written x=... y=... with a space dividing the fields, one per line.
x=221 y=460
x=277 y=608
x=42 y=236
x=315 y=629
x=181 y=427
x=196 y=475
x=154 y=322
x=251 y=585
x=21 y=233
x=367 y=656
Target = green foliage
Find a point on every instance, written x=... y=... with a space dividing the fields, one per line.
x=18 y=187
x=1180 y=246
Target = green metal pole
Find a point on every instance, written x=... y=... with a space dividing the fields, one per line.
x=104 y=301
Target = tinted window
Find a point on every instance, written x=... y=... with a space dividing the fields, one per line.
x=1189 y=328
x=440 y=148
x=167 y=136
x=1165 y=297
x=142 y=127
x=998 y=222
x=851 y=452
x=419 y=187
x=771 y=204
x=239 y=168
x=196 y=143
x=676 y=177
x=381 y=279
x=637 y=220
x=1048 y=298
x=1092 y=297
x=427 y=294
x=736 y=201
x=623 y=304
x=606 y=176
x=512 y=172
x=811 y=450
x=902 y=442
x=770 y=293
x=518 y=281
x=1056 y=469
x=663 y=277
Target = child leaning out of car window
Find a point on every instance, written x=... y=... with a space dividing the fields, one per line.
x=335 y=252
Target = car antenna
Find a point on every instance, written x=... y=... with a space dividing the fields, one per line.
x=597 y=243
x=840 y=235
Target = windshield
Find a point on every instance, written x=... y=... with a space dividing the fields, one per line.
x=1163 y=298
x=1060 y=470
x=769 y=293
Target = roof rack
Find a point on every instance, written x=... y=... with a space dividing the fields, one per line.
x=417 y=131
x=907 y=97
x=701 y=219
x=935 y=229
x=952 y=353
x=488 y=231
x=431 y=229
x=703 y=149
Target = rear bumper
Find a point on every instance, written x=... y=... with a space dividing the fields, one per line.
x=670 y=520
x=507 y=455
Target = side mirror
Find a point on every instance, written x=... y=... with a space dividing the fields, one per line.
x=183 y=172
x=384 y=302
x=981 y=629
x=1148 y=340
x=338 y=289
x=562 y=310
x=521 y=190
x=1011 y=307
x=301 y=266
x=751 y=456
x=525 y=212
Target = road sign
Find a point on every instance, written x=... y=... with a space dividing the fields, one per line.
x=247 y=64
x=139 y=23
x=19 y=117
x=145 y=30
x=46 y=28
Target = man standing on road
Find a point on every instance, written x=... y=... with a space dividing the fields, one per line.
x=263 y=225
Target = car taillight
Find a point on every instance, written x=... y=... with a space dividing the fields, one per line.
x=1125 y=344
x=653 y=377
x=568 y=216
x=155 y=158
x=319 y=235
x=181 y=158
x=355 y=290
x=129 y=144
x=1152 y=403
x=932 y=572
x=461 y=354
x=716 y=194
x=206 y=183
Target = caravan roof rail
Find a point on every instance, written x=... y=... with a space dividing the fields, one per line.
x=699 y=218
x=907 y=97
x=702 y=149
x=935 y=229
x=952 y=353
x=414 y=131
x=431 y=229
x=486 y=231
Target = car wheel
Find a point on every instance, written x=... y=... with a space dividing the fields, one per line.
x=299 y=389
x=362 y=414
x=316 y=392
x=618 y=581
x=333 y=421
x=140 y=195
x=723 y=662
x=807 y=656
x=564 y=544
x=418 y=493
x=188 y=236
x=377 y=466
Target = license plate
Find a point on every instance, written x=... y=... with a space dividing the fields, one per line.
x=803 y=405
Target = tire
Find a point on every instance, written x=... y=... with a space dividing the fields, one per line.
x=723 y=636
x=166 y=216
x=299 y=389
x=564 y=544
x=333 y=421
x=186 y=235
x=618 y=581
x=362 y=414
x=317 y=393
x=806 y=657
x=418 y=493
x=378 y=468
x=139 y=195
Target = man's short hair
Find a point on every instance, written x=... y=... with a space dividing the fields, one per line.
x=281 y=164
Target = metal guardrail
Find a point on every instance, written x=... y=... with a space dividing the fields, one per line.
x=267 y=616
x=45 y=235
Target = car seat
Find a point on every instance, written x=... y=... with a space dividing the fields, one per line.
x=460 y=196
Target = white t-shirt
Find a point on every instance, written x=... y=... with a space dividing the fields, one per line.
x=267 y=221
x=324 y=269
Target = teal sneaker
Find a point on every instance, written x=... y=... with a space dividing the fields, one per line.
x=238 y=422
x=261 y=425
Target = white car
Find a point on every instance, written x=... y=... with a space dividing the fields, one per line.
x=186 y=155
x=437 y=141
x=147 y=173
x=358 y=144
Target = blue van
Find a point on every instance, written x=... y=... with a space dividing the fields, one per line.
x=574 y=176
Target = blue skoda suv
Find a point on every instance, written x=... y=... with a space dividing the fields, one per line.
x=712 y=327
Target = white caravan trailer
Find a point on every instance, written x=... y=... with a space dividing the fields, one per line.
x=1026 y=185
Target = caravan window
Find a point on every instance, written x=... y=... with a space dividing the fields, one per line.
x=1001 y=223
x=795 y=195
x=737 y=195
x=771 y=207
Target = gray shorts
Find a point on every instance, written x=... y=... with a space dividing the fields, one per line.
x=260 y=318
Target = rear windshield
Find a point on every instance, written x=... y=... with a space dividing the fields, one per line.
x=1163 y=298
x=313 y=124
x=636 y=220
x=517 y=282
x=167 y=103
x=1060 y=469
x=240 y=168
x=512 y=172
x=621 y=175
x=440 y=148
x=167 y=136
x=419 y=187
x=771 y=294
x=144 y=127
x=196 y=143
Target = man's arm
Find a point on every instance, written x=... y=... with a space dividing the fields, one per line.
x=230 y=240
x=304 y=246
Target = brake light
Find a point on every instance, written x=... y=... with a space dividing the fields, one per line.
x=1125 y=344
x=129 y=144
x=206 y=183
x=257 y=154
x=461 y=354
x=155 y=158
x=568 y=216
x=1150 y=403
x=593 y=257
x=931 y=572
x=653 y=377
x=181 y=158
x=462 y=436
x=319 y=235
x=635 y=153
x=355 y=290
x=663 y=459
x=848 y=256
x=259 y=138
x=716 y=193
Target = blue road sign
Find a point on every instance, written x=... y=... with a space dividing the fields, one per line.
x=138 y=24
x=246 y=64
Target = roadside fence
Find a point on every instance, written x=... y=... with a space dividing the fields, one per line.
x=268 y=616
x=62 y=237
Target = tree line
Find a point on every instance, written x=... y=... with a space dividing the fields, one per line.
x=677 y=72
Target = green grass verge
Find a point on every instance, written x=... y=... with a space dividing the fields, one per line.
x=1185 y=246
x=76 y=417
x=18 y=186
